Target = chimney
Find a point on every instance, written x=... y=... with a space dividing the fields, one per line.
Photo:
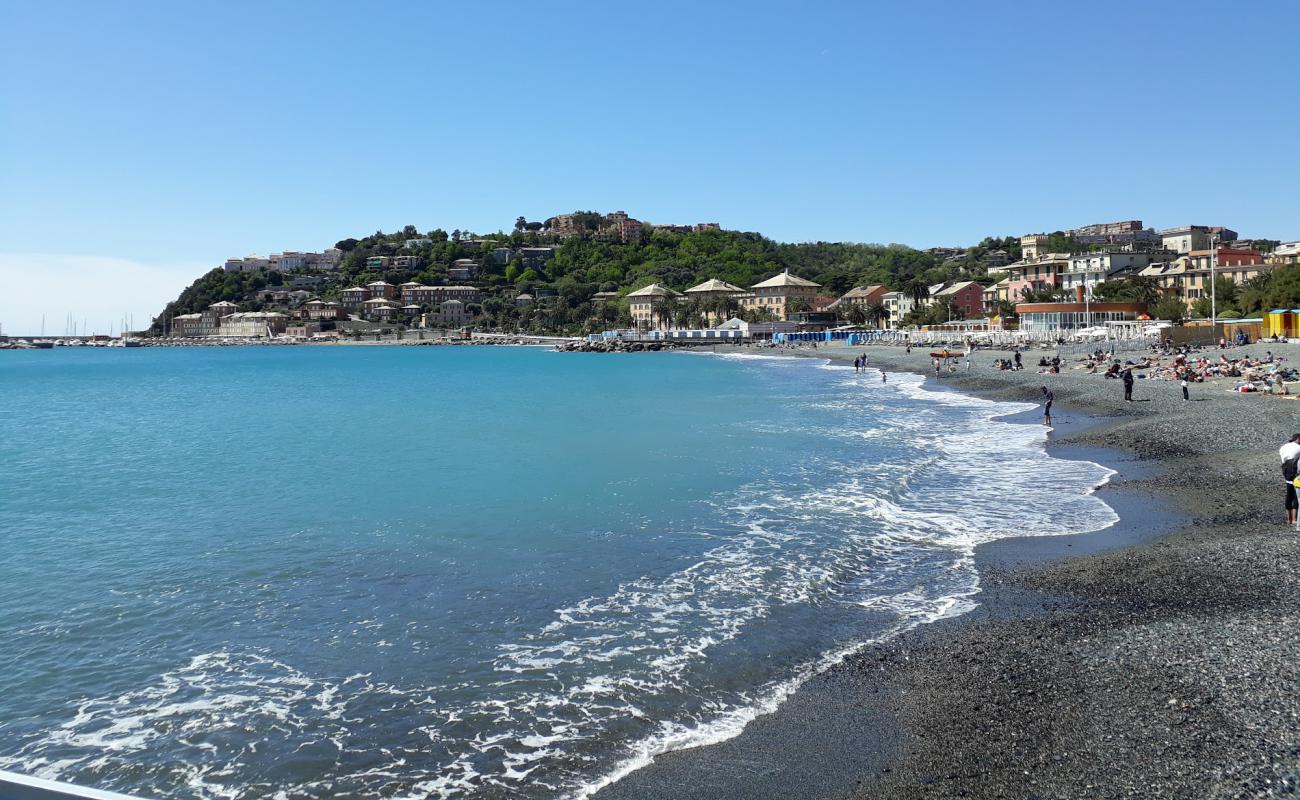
x=1078 y=294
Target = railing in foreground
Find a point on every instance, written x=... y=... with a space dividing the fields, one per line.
x=23 y=787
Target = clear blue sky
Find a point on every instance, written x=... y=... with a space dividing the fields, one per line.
x=172 y=135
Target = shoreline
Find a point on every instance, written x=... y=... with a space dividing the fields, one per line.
x=1020 y=697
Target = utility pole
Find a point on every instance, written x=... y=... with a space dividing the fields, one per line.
x=1214 y=306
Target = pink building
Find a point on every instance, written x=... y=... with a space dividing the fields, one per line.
x=1043 y=272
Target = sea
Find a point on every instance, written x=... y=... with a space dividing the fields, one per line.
x=301 y=572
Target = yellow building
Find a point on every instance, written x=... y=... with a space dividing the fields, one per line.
x=779 y=293
x=715 y=290
x=646 y=305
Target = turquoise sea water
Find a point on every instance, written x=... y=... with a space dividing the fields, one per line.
x=487 y=572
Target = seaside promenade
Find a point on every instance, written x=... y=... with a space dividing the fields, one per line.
x=1157 y=659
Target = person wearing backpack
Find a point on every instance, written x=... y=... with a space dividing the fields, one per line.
x=1290 y=454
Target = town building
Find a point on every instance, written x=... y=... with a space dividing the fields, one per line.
x=288 y=261
x=465 y=294
x=1128 y=232
x=324 y=309
x=1077 y=315
x=897 y=306
x=253 y=324
x=1284 y=253
x=463 y=269
x=449 y=314
x=406 y=262
x=1186 y=238
x=379 y=309
x=381 y=289
x=782 y=294
x=996 y=295
x=1089 y=269
x=862 y=296
x=1034 y=246
x=1235 y=264
x=622 y=227
x=601 y=298
x=647 y=304
x=354 y=296
x=535 y=257
x=378 y=262
x=965 y=297
x=423 y=241
x=718 y=296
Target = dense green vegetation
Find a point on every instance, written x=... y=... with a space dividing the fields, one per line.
x=584 y=266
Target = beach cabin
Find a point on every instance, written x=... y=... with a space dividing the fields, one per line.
x=1281 y=322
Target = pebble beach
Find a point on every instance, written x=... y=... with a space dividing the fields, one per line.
x=1157 y=659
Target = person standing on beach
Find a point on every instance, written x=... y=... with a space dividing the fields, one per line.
x=1018 y=365
x=1185 y=386
x=857 y=364
x=1048 y=399
x=936 y=368
x=1128 y=384
x=1290 y=454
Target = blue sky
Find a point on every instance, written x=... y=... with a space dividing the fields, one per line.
x=168 y=136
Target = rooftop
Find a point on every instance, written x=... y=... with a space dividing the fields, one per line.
x=653 y=290
x=784 y=279
x=714 y=285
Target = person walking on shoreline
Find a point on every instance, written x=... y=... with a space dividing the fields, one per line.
x=1048 y=399
x=1290 y=455
x=883 y=377
x=1127 y=378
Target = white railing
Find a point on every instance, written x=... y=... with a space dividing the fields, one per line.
x=24 y=787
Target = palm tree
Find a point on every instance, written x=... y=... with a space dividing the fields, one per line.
x=917 y=290
x=876 y=312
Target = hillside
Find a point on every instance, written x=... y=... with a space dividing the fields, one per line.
x=583 y=266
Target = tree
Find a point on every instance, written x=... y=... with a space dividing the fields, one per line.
x=1169 y=307
x=855 y=314
x=875 y=312
x=521 y=223
x=917 y=291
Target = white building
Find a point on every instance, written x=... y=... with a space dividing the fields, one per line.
x=897 y=306
x=1090 y=269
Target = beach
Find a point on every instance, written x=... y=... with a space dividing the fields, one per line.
x=1154 y=659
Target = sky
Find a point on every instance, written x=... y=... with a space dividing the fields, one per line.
x=143 y=143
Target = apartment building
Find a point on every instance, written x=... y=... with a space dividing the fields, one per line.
x=1285 y=253
x=897 y=306
x=1089 y=269
x=778 y=293
x=646 y=305
x=964 y=296
x=1186 y=238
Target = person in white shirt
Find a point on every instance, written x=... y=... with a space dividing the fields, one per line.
x=1290 y=452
